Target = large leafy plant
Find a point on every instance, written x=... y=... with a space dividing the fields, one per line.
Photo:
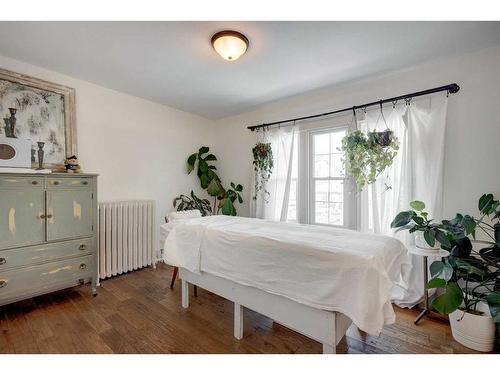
x=224 y=199
x=263 y=164
x=468 y=276
x=366 y=157
x=192 y=202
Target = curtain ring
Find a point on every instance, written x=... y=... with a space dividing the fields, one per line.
x=394 y=104
x=408 y=101
x=364 y=110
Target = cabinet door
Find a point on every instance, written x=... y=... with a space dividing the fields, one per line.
x=21 y=217
x=69 y=214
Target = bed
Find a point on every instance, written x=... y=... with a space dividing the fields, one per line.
x=312 y=279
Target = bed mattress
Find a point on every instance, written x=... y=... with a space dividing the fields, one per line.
x=323 y=267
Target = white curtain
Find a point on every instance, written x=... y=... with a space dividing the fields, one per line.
x=416 y=173
x=276 y=208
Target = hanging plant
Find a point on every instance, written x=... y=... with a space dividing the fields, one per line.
x=263 y=167
x=365 y=159
x=366 y=156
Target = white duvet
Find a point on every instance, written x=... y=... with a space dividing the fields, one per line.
x=323 y=267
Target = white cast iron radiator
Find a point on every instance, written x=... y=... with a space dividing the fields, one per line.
x=126 y=236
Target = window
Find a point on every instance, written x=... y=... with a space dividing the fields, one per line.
x=329 y=200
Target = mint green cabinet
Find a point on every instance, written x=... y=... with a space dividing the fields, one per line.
x=69 y=214
x=48 y=233
x=22 y=220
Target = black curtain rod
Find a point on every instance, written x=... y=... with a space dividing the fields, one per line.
x=452 y=88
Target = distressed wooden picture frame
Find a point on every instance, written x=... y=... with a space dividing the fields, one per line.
x=68 y=95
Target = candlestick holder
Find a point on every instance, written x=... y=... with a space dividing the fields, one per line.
x=12 y=123
x=40 y=155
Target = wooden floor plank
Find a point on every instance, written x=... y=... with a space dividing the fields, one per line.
x=138 y=313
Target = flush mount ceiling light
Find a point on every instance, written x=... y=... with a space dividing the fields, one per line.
x=230 y=45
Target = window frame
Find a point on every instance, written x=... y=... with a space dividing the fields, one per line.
x=349 y=198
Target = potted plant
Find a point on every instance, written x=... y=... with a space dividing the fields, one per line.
x=263 y=166
x=224 y=199
x=192 y=202
x=367 y=156
x=470 y=276
x=383 y=138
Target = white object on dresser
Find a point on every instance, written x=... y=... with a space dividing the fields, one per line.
x=15 y=152
x=126 y=236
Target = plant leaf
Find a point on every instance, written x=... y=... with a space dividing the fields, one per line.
x=228 y=208
x=214 y=188
x=210 y=157
x=436 y=283
x=203 y=150
x=450 y=300
x=402 y=218
x=430 y=237
x=203 y=166
x=436 y=268
x=417 y=205
x=484 y=202
x=191 y=161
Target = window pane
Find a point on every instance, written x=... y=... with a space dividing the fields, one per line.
x=321 y=191
x=335 y=214
x=336 y=165
x=321 y=165
x=321 y=213
x=321 y=144
x=336 y=140
x=336 y=191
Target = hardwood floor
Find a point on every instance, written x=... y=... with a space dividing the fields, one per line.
x=138 y=313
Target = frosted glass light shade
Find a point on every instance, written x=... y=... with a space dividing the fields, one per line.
x=230 y=45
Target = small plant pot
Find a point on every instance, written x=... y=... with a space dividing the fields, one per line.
x=382 y=139
x=473 y=331
x=421 y=243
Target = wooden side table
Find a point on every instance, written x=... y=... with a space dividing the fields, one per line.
x=425 y=253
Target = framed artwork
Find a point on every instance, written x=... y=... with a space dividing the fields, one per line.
x=44 y=111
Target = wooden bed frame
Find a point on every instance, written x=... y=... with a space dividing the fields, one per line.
x=327 y=327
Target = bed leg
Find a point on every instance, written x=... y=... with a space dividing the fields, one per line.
x=329 y=349
x=238 y=321
x=185 y=293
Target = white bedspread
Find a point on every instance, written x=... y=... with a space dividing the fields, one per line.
x=323 y=267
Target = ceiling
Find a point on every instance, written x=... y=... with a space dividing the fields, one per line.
x=173 y=63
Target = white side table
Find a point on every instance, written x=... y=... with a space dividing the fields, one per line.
x=425 y=253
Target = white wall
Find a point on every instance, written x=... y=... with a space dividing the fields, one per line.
x=472 y=157
x=139 y=148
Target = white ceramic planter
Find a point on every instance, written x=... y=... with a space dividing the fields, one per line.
x=422 y=244
x=473 y=331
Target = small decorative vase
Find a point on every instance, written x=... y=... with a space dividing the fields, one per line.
x=40 y=155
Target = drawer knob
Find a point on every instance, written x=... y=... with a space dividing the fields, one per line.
x=83 y=266
x=82 y=247
x=50 y=216
x=85 y=182
x=42 y=216
x=56 y=182
x=3 y=261
x=3 y=283
x=34 y=182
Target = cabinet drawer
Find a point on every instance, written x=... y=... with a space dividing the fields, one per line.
x=43 y=278
x=18 y=182
x=69 y=182
x=44 y=253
